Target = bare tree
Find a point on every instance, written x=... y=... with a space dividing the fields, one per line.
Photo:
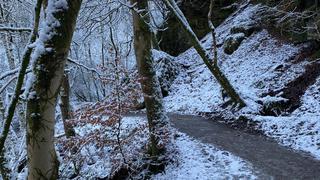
x=296 y=18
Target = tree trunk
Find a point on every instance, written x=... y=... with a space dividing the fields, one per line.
x=49 y=59
x=215 y=70
x=65 y=106
x=7 y=38
x=157 y=119
x=14 y=100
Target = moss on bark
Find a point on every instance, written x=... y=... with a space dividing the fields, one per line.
x=42 y=159
x=157 y=119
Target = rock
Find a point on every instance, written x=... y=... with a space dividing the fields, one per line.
x=233 y=42
x=273 y=105
x=167 y=70
x=173 y=38
x=259 y=84
x=247 y=30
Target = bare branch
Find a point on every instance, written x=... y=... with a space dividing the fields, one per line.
x=7 y=84
x=12 y=72
x=14 y=29
x=84 y=66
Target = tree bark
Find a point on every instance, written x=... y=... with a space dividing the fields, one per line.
x=65 y=106
x=157 y=119
x=214 y=69
x=213 y=33
x=49 y=59
x=7 y=41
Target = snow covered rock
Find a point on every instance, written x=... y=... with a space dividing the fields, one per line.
x=273 y=105
x=247 y=30
x=233 y=42
x=167 y=70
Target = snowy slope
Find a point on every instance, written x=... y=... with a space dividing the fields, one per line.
x=250 y=69
x=253 y=69
x=301 y=130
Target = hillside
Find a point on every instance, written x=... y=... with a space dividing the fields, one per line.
x=262 y=64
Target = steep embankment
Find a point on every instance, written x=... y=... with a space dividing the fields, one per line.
x=273 y=76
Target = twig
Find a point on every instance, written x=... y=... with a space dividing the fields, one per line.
x=84 y=66
x=13 y=29
x=12 y=72
x=7 y=84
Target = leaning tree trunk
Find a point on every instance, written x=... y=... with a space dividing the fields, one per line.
x=213 y=67
x=49 y=60
x=157 y=119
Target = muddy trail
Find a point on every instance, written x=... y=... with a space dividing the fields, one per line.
x=267 y=156
x=272 y=160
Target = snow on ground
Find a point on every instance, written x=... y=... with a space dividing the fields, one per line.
x=310 y=100
x=298 y=132
x=251 y=69
x=261 y=64
x=301 y=130
x=194 y=160
x=96 y=161
x=202 y=161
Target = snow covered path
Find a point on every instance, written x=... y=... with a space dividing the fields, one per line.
x=266 y=155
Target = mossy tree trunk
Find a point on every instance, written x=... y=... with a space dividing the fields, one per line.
x=157 y=119
x=49 y=59
x=209 y=62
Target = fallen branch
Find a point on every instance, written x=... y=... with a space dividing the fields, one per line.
x=13 y=29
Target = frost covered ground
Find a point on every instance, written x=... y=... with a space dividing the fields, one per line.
x=300 y=130
x=250 y=69
x=193 y=159
x=253 y=71
x=200 y=161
